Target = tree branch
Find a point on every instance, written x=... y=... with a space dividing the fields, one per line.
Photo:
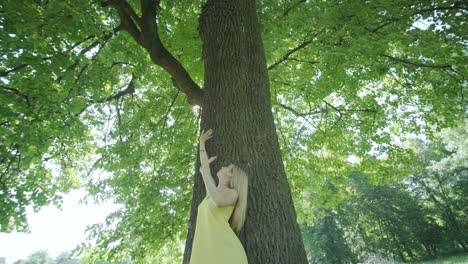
x=127 y=16
x=295 y=112
x=19 y=67
x=303 y=61
x=293 y=50
x=82 y=52
x=12 y=159
x=122 y=63
x=337 y=110
x=19 y=93
x=147 y=36
x=341 y=112
x=386 y=23
x=130 y=89
x=82 y=41
x=444 y=66
x=168 y=112
x=286 y=12
x=94 y=44
x=455 y=6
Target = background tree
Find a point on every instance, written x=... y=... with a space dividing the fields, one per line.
x=347 y=81
x=39 y=257
x=398 y=218
x=325 y=242
x=443 y=181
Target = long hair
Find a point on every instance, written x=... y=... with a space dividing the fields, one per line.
x=240 y=182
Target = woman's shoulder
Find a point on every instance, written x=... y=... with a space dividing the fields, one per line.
x=225 y=197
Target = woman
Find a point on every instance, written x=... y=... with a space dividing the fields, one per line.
x=221 y=212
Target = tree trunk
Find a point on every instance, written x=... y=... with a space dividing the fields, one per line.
x=237 y=106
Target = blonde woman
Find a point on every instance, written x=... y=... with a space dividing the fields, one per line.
x=220 y=214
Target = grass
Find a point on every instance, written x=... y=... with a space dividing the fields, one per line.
x=459 y=259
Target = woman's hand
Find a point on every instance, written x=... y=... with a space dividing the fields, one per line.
x=205 y=161
x=206 y=135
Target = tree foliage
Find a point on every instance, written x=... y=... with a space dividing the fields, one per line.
x=82 y=104
x=422 y=216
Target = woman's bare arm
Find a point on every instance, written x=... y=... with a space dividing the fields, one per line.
x=205 y=163
x=220 y=197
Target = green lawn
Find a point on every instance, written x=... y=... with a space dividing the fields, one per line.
x=448 y=260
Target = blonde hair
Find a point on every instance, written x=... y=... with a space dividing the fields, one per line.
x=240 y=182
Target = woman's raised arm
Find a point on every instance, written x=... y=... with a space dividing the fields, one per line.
x=205 y=164
x=220 y=198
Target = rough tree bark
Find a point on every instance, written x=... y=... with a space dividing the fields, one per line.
x=237 y=106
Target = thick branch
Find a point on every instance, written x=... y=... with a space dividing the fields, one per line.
x=149 y=39
x=128 y=18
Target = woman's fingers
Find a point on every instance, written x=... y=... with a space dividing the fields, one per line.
x=211 y=159
x=206 y=135
x=203 y=136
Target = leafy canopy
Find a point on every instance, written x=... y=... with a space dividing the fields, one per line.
x=82 y=105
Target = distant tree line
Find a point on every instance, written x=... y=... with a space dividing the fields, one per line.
x=420 y=217
x=43 y=257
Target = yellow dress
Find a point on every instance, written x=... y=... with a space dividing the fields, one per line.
x=215 y=242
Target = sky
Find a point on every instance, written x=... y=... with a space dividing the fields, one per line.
x=55 y=230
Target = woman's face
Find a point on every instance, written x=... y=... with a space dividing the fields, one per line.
x=226 y=172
